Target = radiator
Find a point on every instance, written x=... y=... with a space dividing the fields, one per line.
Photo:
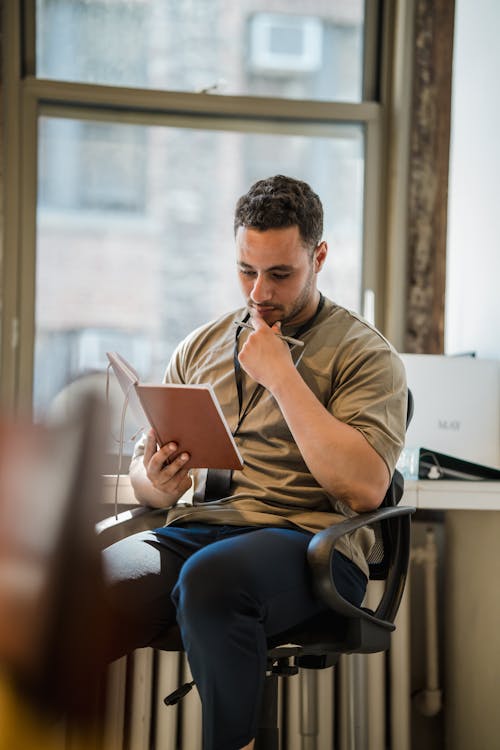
x=361 y=704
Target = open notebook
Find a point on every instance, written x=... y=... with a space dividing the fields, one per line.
x=189 y=415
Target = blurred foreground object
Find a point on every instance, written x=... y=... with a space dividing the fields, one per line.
x=53 y=628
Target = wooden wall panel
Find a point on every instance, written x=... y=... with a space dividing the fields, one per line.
x=428 y=175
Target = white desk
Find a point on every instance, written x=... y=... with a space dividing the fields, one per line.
x=425 y=494
x=444 y=494
x=122 y=488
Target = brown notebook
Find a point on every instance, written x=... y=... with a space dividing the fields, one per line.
x=189 y=415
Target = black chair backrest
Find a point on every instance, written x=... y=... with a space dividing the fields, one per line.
x=387 y=533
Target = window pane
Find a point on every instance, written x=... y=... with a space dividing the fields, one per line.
x=473 y=260
x=305 y=51
x=135 y=243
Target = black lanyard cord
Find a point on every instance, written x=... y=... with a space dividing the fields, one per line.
x=237 y=372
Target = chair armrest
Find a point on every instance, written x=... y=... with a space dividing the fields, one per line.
x=320 y=553
x=128 y=522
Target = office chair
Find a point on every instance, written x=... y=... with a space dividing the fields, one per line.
x=345 y=628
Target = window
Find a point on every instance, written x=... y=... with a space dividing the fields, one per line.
x=199 y=45
x=104 y=168
x=125 y=214
x=155 y=280
x=473 y=265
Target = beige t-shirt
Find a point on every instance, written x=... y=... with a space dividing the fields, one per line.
x=356 y=375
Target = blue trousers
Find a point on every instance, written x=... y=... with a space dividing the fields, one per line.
x=229 y=589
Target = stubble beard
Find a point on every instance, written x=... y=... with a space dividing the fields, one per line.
x=302 y=301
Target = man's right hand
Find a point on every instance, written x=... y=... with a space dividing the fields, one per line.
x=160 y=480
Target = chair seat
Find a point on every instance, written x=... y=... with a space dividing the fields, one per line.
x=326 y=633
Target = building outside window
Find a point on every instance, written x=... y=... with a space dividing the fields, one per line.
x=152 y=118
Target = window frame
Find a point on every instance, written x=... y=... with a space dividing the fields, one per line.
x=28 y=98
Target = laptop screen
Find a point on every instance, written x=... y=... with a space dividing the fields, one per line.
x=457 y=406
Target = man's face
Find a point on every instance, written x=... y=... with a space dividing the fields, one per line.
x=277 y=273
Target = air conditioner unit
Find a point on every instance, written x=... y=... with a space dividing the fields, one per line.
x=283 y=44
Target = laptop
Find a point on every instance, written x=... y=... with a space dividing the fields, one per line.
x=457 y=407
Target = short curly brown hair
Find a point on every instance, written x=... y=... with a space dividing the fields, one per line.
x=278 y=202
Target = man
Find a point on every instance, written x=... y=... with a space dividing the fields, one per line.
x=320 y=428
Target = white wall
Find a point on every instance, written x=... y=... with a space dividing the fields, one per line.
x=472 y=646
x=473 y=260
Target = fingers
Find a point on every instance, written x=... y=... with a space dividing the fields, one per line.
x=258 y=321
x=260 y=324
x=156 y=457
x=165 y=470
x=150 y=447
